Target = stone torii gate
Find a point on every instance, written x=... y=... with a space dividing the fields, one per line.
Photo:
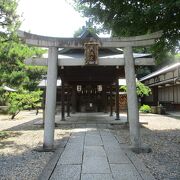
x=53 y=62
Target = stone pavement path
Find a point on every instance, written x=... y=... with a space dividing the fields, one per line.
x=94 y=153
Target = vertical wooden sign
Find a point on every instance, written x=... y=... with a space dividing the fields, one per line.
x=91 y=53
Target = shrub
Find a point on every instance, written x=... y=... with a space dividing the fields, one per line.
x=145 y=108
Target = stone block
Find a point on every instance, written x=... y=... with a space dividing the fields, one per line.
x=93 y=140
x=66 y=172
x=96 y=177
x=116 y=155
x=94 y=151
x=95 y=160
x=72 y=154
x=95 y=165
x=125 y=172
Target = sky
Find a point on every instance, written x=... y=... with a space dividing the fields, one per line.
x=49 y=17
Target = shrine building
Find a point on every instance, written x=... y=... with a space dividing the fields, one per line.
x=165 y=87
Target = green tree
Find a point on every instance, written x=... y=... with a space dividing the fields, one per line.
x=9 y=19
x=141 y=89
x=13 y=72
x=131 y=18
x=23 y=100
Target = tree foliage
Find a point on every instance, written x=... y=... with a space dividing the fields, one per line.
x=13 y=72
x=9 y=19
x=141 y=89
x=131 y=18
x=23 y=100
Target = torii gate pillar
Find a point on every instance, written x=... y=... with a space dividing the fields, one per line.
x=50 y=99
x=132 y=99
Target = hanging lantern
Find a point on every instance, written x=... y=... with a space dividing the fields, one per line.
x=99 y=88
x=79 y=88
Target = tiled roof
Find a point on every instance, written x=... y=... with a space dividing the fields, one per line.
x=161 y=71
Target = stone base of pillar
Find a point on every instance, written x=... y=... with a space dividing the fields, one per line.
x=45 y=149
x=63 y=119
x=117 y=117
x=143 y=149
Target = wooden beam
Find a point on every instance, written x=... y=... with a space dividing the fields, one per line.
x=117 y=100
x=111 y=101
x=62 y=100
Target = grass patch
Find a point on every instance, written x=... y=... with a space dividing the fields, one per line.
x=7 y=134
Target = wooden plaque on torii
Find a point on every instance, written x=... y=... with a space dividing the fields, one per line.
x=91 y=53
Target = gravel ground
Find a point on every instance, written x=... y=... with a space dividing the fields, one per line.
x=18 y=160
x=162 y=134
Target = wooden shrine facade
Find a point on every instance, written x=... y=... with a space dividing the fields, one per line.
x=165 y=86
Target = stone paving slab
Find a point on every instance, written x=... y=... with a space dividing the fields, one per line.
x=124 y=172
x=116 y=156
x=66 y=172
x=93 y=140
x=110 y=142
x=76 y=139
x=72 y=154
x=113 y=149
x=95 y=165
x=92 y=132
x=95 y=160
x=94 y=151
x=74 y=150
x=96 y=177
